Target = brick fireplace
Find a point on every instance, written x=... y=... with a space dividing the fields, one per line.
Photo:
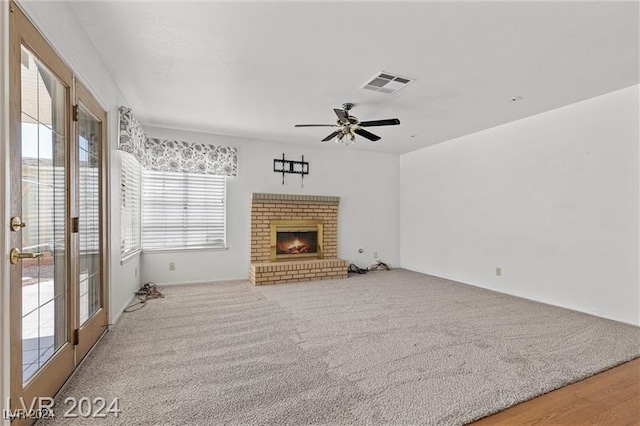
x=294 y=238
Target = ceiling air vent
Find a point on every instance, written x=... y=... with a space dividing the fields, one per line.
x=386 y=82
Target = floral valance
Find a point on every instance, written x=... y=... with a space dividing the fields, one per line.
x=132 y=137
x=187 y=157
x=174 y=156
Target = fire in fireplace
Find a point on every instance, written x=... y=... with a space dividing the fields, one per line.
x=297 y=242
x=296 y=239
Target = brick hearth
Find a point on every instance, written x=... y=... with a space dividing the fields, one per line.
x=268 y=207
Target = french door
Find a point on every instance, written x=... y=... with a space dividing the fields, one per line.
x=58 y=300
x=91 y=297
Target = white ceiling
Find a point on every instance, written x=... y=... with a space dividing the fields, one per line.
x=256 y=69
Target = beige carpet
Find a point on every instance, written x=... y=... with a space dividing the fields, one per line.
x=391 y=347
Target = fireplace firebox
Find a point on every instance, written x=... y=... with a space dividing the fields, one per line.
x=296 y=239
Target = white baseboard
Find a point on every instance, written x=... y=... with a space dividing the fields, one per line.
x=121 y=311
x=174 y=283
x=571 y=308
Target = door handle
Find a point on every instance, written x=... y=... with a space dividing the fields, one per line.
x=15 y=255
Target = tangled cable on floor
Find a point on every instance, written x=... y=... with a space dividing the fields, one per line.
x=148 y=291
x=353 y=268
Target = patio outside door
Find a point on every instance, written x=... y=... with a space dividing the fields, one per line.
x=57 y=262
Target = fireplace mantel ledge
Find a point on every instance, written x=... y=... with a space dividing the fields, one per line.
x=320 y=199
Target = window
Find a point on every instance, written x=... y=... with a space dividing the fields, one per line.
x=183 y=210
x=130 y=191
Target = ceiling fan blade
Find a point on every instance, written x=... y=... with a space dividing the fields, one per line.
x=389 y=122
x=343 y=116
x=331 y=136
x=367 y=135
x=315 y=125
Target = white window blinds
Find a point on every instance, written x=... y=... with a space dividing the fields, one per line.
x=130 y=191
x=183 y=210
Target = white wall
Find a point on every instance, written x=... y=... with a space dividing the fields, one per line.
x=367 y=183
x=551 y=199
x=58 y=23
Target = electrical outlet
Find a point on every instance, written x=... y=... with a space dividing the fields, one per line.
x=498 y=271
x=375 y=254
x=172 y=266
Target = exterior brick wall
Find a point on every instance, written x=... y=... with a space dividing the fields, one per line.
x=268 y=207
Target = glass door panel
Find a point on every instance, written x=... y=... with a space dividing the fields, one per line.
x=89 y=133
x=91 y=304
x=43 y=176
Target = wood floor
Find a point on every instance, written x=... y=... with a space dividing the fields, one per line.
x=609 y=398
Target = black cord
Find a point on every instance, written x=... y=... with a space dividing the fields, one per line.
x=146 y=292
x=356 y=270
x=379 y=265
x=376 y=267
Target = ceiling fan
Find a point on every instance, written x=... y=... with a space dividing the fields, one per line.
x=349 y=126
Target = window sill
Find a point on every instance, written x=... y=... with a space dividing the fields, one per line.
x=127 y=257
x=182 y=249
